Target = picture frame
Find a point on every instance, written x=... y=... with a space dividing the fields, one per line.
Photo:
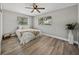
x=45 y=20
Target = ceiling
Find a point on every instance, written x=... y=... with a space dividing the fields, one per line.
x=20 y=7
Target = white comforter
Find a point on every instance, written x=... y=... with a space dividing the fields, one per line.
x=26 y=37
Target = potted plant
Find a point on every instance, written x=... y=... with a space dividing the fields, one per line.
x=71 y=27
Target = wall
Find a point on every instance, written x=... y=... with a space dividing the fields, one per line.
x=78 y=25
x=59 y=19
x=10 y=21
x=0 y=33
x=0 y=22
x=0 y=25
x=0 y=28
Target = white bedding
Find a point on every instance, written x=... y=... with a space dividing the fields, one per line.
x=26 y=37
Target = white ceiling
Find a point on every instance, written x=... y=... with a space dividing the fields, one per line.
x=19 y=7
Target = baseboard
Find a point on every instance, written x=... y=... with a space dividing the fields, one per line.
x=0 y=46
x=0 y=39
x=55 y=37
x=76 y=42
x=59 y=38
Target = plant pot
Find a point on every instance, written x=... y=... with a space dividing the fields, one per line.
x=70 y=37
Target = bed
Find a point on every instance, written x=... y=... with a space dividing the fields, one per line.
x=26 y=35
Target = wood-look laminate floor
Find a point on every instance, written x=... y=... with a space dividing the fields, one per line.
x=43 y=45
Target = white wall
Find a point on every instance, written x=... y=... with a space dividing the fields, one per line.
x=0 y=29
x=78 y=25
x=0 y=26
x=0 y=33
x=59 y=19
x=0 y=22
x=10 y=21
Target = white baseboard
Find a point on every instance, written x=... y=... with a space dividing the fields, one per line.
x=76 y=42
x=0 y=46
x=55 y=36
x=59 y=38
x=0 y=39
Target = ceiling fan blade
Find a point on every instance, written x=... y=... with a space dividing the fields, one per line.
x=40 y=8
x=29 y=7
x=34 y=4
x=32 y=10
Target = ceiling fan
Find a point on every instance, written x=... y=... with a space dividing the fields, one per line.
x=35 y=7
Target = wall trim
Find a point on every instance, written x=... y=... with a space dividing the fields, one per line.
x=76 y=42
x=0 y=46
x=55 y=36
x=59 y=38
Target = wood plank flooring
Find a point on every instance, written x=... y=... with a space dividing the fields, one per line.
x=43 y=45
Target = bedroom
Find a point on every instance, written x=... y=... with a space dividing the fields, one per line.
x=45 y=29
